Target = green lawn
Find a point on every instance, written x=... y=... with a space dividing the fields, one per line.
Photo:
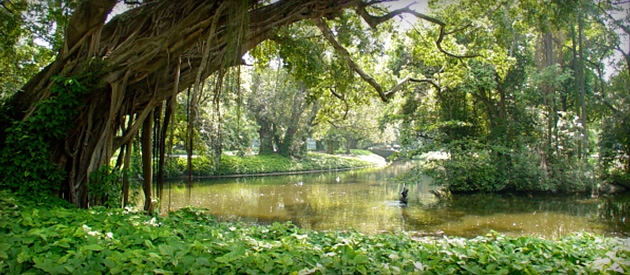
x=232 y=165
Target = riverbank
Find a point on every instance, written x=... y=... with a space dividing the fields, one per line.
x=266 y=165
x=51 y=239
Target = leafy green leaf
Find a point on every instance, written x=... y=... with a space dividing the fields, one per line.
x=94 y=247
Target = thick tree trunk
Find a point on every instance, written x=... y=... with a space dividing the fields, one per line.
x=348 y=145
x=276 y=136
x=351 y=143
x=330 y=146
x=138 y=49
x=297 y=109
x=265 y=134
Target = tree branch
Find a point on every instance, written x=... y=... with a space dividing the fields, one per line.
x=613 y=20
x=430 y=81
x=343 y=98
x=88 y=15
x=6 y=8
x=459 y=29
x=410 y=79
x=319 y=22
x=374 y=21
x=384 y=95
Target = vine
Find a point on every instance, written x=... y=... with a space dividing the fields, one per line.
x=25 y=165
x=104 y=187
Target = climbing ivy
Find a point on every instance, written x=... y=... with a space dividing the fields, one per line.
x=25 y=165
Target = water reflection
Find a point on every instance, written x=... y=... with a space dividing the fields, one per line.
x=366 y=200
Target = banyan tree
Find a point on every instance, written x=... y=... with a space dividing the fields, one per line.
x=128 y=69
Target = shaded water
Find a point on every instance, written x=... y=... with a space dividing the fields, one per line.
x=367 y=200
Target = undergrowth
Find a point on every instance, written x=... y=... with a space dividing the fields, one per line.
x=57 y=240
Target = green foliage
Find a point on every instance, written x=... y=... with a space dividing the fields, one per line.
x=473 y=166
x=276 y=163
x=31 y=32
x=468 y=170
x=511 y=119
x=234 y=165
x=104 y=187
x=24 y=161
x=115 y=241
x=614 y=146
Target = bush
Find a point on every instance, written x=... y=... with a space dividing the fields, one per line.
x=478 y=167
x=471 y=167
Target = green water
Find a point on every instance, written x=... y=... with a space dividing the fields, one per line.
x=367 y=200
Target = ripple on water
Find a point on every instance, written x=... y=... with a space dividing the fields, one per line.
x=368 y=202
x=539 y=224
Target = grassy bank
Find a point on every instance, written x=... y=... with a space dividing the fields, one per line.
x=233 y=165
x=56 y=240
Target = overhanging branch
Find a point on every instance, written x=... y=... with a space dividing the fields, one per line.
x=383 y=94
x=319 y=22
x=430 y=81
x=374 y=21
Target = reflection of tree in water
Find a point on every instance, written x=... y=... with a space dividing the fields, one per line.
x=614 y=212
x=611 y=214
x=369 y=202
x=488 y=204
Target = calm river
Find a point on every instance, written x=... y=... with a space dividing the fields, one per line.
x=367 y=200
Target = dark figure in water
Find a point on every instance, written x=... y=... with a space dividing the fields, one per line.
x=403 y=194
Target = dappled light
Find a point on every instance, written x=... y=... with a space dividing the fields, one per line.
x=315 y=137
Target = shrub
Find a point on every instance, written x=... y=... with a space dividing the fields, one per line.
x=477 y=167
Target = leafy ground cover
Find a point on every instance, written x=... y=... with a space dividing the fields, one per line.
x=56 y=240
x=232 y=165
